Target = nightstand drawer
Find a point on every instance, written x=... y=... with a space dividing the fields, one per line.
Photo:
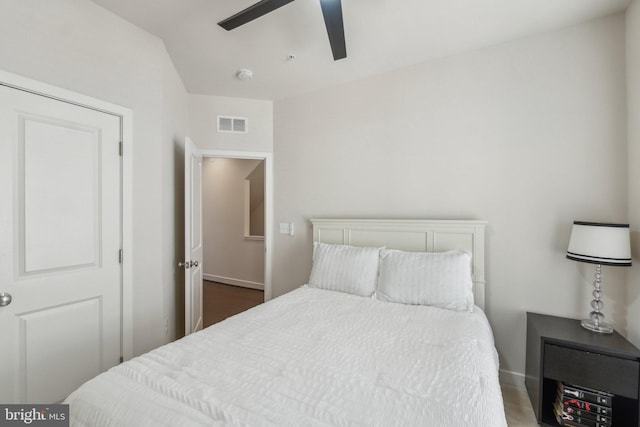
x=592 y=370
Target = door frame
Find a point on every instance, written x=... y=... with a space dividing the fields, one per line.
x=268 y=205
x=126 y=191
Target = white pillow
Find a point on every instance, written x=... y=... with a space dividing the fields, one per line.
x=441 y=279
x=345 y=268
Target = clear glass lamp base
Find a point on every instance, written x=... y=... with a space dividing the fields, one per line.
x=600 y=327
x=596 y=321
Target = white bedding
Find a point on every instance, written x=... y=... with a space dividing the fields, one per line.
x=310 y=358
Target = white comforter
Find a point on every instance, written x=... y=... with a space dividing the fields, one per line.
x=309 y=358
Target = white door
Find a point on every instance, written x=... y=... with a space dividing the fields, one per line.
x=60 y=236
x=192 y=238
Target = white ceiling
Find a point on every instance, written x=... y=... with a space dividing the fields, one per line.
x=381 y=35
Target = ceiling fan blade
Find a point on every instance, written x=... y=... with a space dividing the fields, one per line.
x=332 y=12
x=252 y=12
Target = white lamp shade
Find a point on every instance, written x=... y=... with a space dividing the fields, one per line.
x=598 y=243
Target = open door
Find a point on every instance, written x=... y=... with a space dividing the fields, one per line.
x=192 y=238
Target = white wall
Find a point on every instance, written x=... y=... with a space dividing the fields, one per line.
x=203 y=112
x=227 y=253
x=529 y=135
x=256 y=182
x=77 y=45
x=633 y=136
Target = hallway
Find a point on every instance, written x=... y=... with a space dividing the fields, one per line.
x=221 y=301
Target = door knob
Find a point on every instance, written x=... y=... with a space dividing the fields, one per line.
x=184 y=264
x=194 y=264
x=5 y=299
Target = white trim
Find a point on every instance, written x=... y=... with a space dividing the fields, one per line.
x=127 y=234
x=513 y=379
x=126 y=123
x=268 y=204
x=233 y=282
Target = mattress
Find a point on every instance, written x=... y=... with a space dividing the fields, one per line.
x=309 y=358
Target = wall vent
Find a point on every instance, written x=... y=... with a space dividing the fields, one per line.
x=233 y=124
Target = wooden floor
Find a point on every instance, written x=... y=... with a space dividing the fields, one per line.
x=517 y=407
x=221 y=301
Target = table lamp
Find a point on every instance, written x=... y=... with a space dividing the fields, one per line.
x=600 y=244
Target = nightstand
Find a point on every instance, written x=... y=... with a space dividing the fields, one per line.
x=559 y=349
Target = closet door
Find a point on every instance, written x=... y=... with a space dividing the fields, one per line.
x=60 y=240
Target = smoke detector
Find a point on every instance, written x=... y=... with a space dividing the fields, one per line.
x=244 y=75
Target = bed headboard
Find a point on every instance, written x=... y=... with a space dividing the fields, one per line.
x=412 y=236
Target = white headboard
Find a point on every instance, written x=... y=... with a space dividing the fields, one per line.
x=412 y=236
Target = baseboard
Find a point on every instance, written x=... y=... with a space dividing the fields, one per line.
x=513 y=379
x=233 y=282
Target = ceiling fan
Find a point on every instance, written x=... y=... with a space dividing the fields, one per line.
x=331 y=10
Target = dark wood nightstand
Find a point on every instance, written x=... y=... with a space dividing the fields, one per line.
x=559 y=349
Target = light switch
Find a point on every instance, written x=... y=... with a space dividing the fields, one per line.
x=287 y=228
x=284 y=228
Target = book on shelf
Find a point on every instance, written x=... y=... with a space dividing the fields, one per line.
x=586 y=406
x=569 y=410
x=587 y=423
x=586 y=394
x=578 y=406
x=566 y=419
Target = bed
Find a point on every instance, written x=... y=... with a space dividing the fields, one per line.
x=321 y=356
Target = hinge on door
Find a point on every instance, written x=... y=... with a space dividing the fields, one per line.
x=120 y=256
x=120 y=148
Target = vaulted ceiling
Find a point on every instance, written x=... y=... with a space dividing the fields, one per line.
x=381 y=35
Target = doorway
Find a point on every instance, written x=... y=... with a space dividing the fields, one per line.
x=194 y=158
x=233 y=212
